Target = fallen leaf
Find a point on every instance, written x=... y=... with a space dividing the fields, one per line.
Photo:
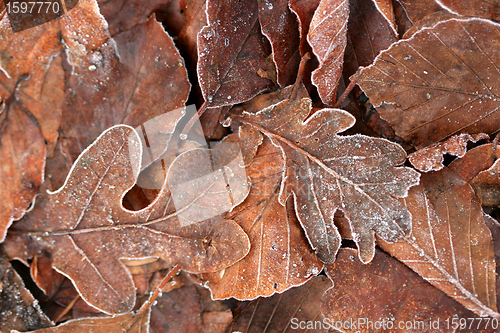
x=474 y=161
x=19 y=310
x=450 y=245
x=478 y=8
x=280 y=256
x=439 y=83
x=326 y=172
x=486 y=185
x=431 y=158
x=417 y=10
x=87 y=231
x=284 y=312
x=100 y=325
x=386 y=8
x=304 y=9
x=280 y=26
x=123 y=15
x=328 y=37
x=231 y=50
x=387 y=294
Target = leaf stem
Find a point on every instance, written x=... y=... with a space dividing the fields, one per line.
x=348 y=90
x=150 y=301
x=193 y=119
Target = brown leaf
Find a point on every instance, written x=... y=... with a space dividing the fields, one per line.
x=100 y=325
x=487 y=186
x=327 y=37
x=417 y=10
x=326 y=172
x=280 y=256
x=87 y=231
x=478 y=8
x=304 y=9
x=438 y=83
x=19 y=310
x=450 y=245
x=386 y=293
x=386 y=8
x=474 y=161
x=368 y=34
x=123 y=15
x=231 y=50
x=142 y=78
x=279 y=312
x=280 y=26
x=431 y=158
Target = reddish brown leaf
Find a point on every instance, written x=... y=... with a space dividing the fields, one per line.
x=474 y=161
x=19 y=310
x=327 y=37
x=368 y=34
x=386 y=8
x=479 y=8
x=280 y=26
x=326 y=172
x=283 y=312
x=143 y=78
x=487 y=186
x=450 y=245
x=387 y=294
x=417 y=10
x=100 y=325
x=304 y=9
x=87 y=231
x=231 y=50
x=280 y=256
x=123 y=15
x=431 y=158
x=440 y=82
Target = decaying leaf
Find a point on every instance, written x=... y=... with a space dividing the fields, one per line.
x=231 y=50
x=327 y=37
x=387 y=294
x=479 y=8
x=279 y=312
x=417 y=10
x=431 y=158
x=440 y=82
x=386 y=8
x=450 y=245
x=280 y=256
x=486 y=185
x=87 y=231
x=326 y=172
x=304 y=9
x=19 y=310
x=474 y=161
x=101 y=325
x=280 y=26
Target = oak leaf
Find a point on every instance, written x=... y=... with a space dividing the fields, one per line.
x=326 y=172
x=86 y=229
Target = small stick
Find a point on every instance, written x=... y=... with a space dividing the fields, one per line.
x=300 y=75
x=348 y=90
x=66 y=310
x=150 y=301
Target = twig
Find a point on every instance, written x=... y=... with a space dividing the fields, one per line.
x=348 y=90
x=193 y=119
x=300 y=75
x=66 y=310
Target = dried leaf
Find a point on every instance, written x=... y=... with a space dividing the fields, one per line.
x=478 y=8
x=417 y=10
x=231 y=50
x=387 y=294
x=327 y=37
x=431 y=158
x=474 y=161
x=280 y=313
x=19 y=310
x=280 y=256
x=142 y=78
x=326 y=172
x=100 y=325
x=487 y=186
x=450 y=245
x=304 y=9
x=386 y=8
x=87 y=231
x=280 y=26
x=123 y=15
x=438 y=83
